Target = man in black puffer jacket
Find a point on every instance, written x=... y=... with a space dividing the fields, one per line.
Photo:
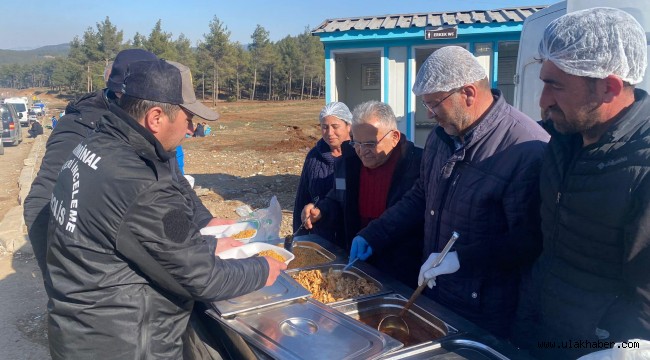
x=372 y=176
x=593 y=278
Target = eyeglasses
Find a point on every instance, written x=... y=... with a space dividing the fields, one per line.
x=368 y=144
x=430 y=108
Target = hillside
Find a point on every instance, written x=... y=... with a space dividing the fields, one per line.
x=34 y=55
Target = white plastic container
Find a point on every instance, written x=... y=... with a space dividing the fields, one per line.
x=190 y=179
x=248 y=250
x=221 y=231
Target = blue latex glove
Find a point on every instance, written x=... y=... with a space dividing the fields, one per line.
x=360 y=249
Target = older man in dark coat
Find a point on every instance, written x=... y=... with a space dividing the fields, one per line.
x=478 y=177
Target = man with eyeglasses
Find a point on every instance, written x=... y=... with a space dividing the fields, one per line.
x=376 y=169
x=478 y=177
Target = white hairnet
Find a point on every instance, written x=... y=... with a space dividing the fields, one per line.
x=446 y=69
x=596 y=43
x=337 y=109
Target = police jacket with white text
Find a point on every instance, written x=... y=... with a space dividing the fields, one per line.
x=80 y=120
x=125 y=259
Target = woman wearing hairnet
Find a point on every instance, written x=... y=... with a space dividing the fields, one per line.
x=317 y=176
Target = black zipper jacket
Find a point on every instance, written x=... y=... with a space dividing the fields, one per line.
x=80 y=121
x=487 y=191
x=125 y=259
x=593 y=271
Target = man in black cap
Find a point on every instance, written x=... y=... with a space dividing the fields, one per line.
x=80 y=120
x=126 y=261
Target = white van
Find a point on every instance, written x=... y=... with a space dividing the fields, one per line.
x=528 y=86
x=21 y=107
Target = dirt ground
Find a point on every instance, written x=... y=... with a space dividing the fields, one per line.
x=11 y=163
x=255 y=151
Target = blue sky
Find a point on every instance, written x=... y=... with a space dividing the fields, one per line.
x=34 y=23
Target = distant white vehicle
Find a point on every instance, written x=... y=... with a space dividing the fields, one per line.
x=21 y=107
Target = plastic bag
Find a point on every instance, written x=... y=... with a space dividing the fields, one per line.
x=244 y=211
x=268 y=220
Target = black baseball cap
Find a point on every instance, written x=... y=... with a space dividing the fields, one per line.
x=167 y=82
x=121 y=62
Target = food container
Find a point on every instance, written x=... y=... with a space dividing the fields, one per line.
x=283 y=290
x=423 y=326
x=306 y=329
x=450 y=349
x=232 y=230
x=308 y=254
x=353 y=278
x=190 y=179
x=252 y=249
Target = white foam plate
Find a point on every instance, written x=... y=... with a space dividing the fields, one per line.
x=221 y=231
x=190 y=179
x=250 y=249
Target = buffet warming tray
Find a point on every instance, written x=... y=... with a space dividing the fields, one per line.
x=423 y=326
x=352 y=273
x=283 y=290
x=307 y=329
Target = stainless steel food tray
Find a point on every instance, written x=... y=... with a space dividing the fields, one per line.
x=454 y=349
x=354 y=272
x=283 y=290
x=307 y=329
x=423 y=326
x=312 y=246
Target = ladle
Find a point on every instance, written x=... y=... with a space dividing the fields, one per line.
x=288 y=240
x=394 y=325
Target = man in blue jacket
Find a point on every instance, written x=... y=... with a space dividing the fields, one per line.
x=478 y=177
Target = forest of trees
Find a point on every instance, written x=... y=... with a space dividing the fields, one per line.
x=292 y=68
